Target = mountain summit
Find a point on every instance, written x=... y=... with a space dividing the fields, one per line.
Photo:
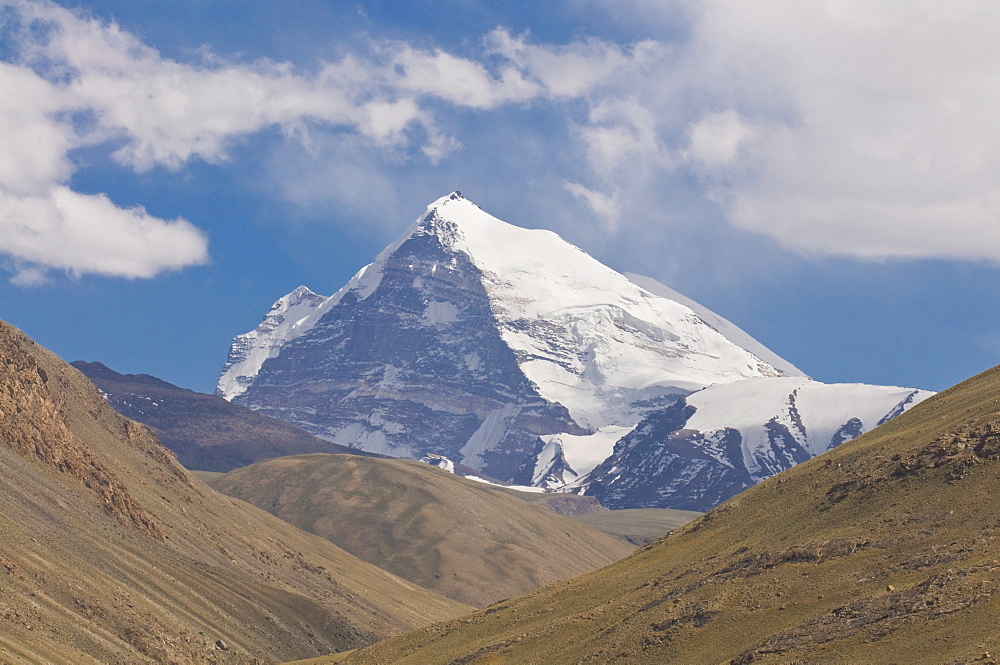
x=469 y=337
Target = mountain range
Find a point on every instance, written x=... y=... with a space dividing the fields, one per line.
x=206 y=432
x=855 y=522
x=515 y=353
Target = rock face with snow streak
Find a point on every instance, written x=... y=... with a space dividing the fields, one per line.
x=721 y=440
x=249 y=351
x=471 y=338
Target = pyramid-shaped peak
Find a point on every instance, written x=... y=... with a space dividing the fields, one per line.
x=450 y=213
x=461 y=224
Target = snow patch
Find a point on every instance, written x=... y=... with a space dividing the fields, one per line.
x=492 y=429
x=581 y=453
x=519 y=488
x=813 y=414
x=440 y=461
x=440 y=312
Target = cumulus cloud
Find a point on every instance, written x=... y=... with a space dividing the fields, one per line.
x=170 y=112
x=76 y=81
x=458 y=80
x=83 y=233
x=839 y=128
x=44 y=224
x=36 y=141
x=881 y=141
x=834 y=128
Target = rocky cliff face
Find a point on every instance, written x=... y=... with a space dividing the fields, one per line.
x=471 y=338
x=35 y=427
x=249 y=351
x=417 y=366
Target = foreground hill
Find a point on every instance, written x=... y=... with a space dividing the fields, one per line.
x=111 y=552
x=883 y=550
x=467 y=540
x=207 y=432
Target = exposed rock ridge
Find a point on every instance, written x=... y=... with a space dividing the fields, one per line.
x=34 y=427
x=206 y=432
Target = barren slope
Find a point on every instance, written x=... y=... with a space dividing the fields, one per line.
x=112 y=552
x=466 y=540
x=884 y=550
x=638 y=525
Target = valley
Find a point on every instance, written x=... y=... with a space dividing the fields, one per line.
x=700 y=369
x=469 y=541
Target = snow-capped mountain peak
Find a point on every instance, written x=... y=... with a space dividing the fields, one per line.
x=724 y=438
x=587 y=336
x=469 y=337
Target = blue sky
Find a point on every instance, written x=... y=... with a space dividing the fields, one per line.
x=825 y=175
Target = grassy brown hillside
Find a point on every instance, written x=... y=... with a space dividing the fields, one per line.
x=884 y=550
x=461 y=538
x=111 y=552
x=207 y=432
x=640 y=526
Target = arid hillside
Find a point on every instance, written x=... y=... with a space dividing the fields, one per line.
x=884 y=550
x=111 y=552
x=464 y=539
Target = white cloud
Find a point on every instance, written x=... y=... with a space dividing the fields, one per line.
x=845 y=128
x=171 y=112
x=840 y=128
x=716 y=139
x=576 y=69
x=45 y=225
x=620 y=131
x=34 y=142
x=876 y=124
x=83 y=233
x=457 y=80
x=604 y=206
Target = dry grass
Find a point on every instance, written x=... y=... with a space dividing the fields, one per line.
x=640 y=526
x=885 y=550
x=466 y=540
